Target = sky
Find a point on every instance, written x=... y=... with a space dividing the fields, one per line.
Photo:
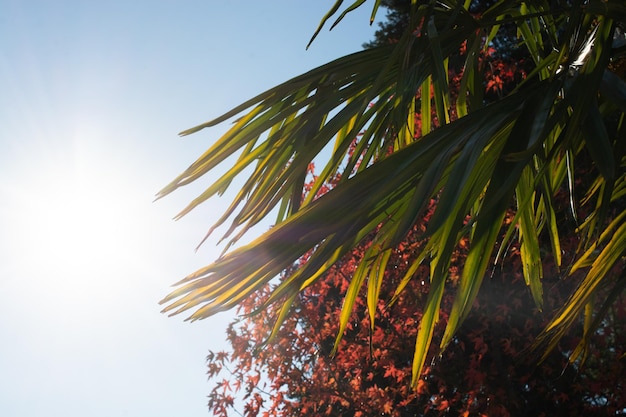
x=92 y=96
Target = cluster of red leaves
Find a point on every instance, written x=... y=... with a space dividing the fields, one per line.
x=501 y=76
x=488 y=369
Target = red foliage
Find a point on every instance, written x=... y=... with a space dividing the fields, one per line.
x=487 y=370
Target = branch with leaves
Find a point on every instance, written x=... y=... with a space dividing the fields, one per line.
x=516 y=152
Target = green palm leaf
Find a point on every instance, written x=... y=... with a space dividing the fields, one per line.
x=510 y=156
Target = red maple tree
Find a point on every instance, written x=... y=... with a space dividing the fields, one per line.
x=490 y=368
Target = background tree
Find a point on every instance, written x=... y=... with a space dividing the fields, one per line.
x=396 y=21
x=475 y=161
x=486 y=371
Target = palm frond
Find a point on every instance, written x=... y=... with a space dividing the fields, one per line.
x=511 y=155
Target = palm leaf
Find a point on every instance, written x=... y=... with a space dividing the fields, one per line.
x=513 y=155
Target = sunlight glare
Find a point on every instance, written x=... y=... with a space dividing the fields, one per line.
x=73 y=223
x=78 y=224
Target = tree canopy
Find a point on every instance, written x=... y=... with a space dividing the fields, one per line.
x=488 y=369
x=479 y=164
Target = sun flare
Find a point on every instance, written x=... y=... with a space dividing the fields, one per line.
x=74 y=220
x=74 y=226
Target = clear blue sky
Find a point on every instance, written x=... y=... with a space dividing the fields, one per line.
x=92 y=95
